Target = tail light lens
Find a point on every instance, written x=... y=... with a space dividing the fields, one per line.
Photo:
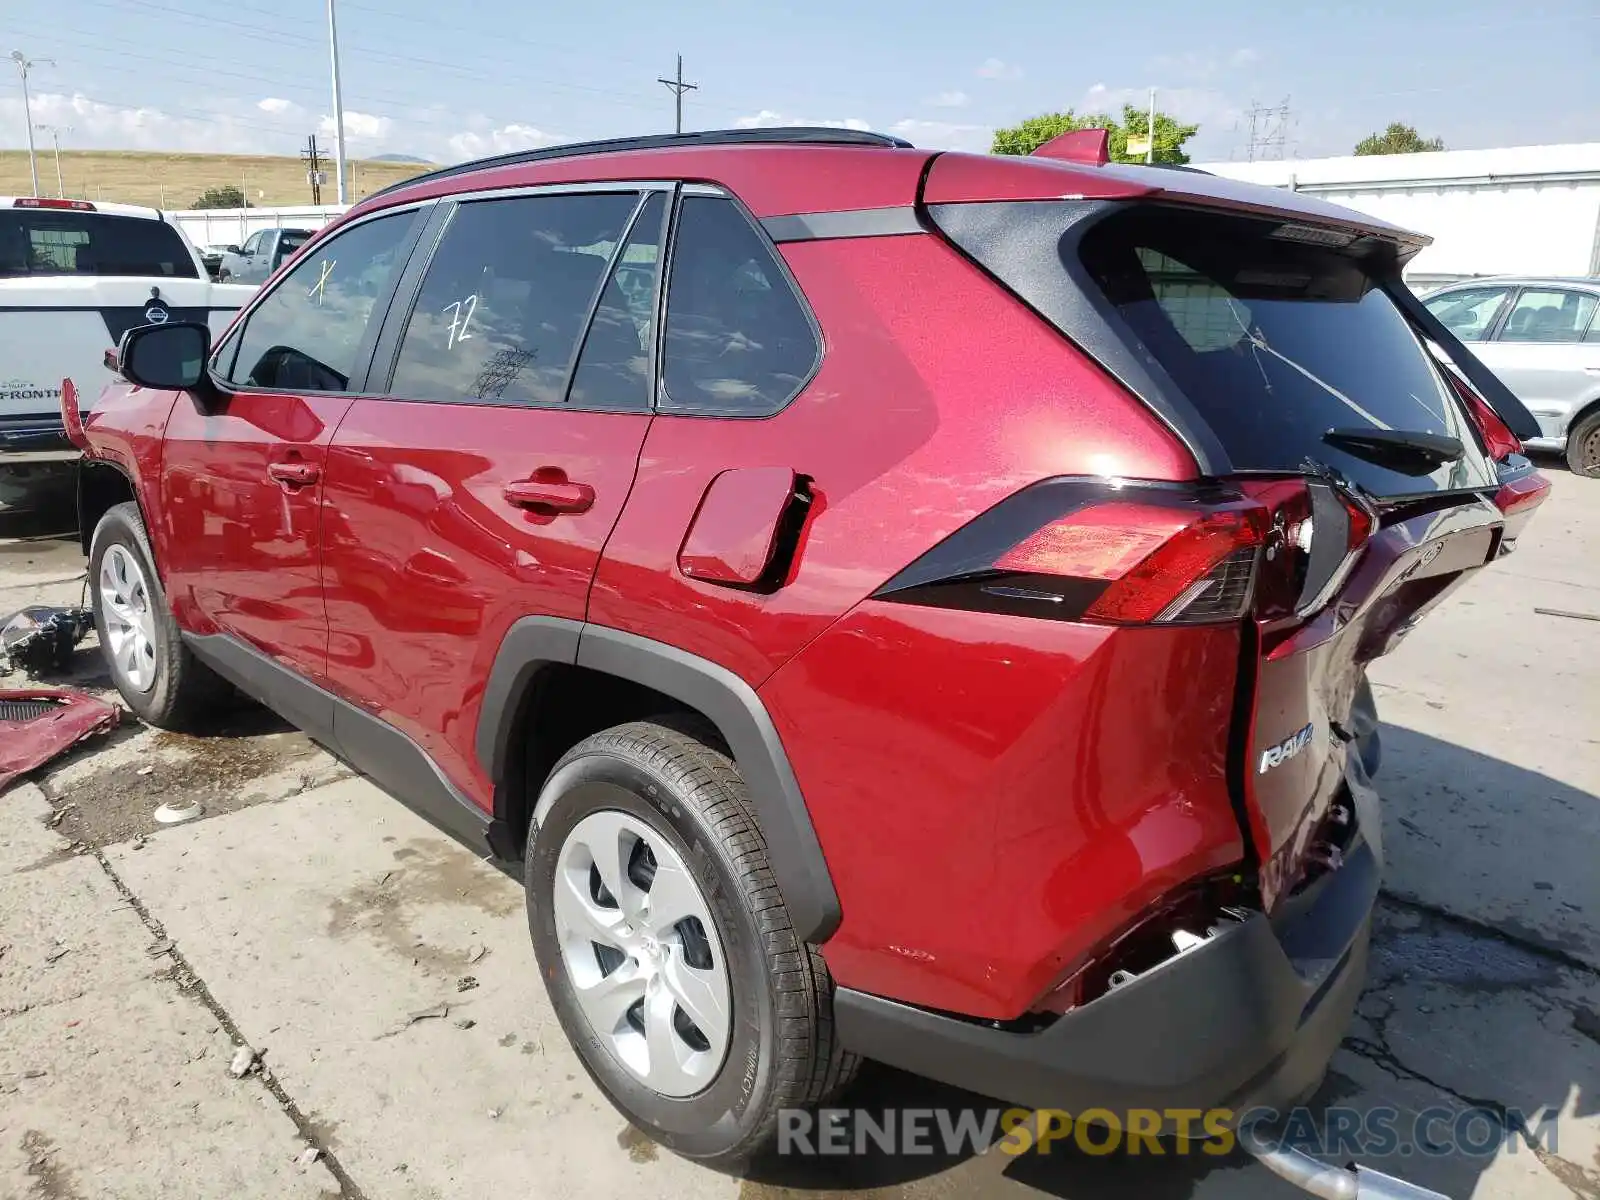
x=1133 y=554
x=1497 y=437
x=1522 y=494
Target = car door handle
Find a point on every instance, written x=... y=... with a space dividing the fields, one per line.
x=294 y=474
x=550 y=495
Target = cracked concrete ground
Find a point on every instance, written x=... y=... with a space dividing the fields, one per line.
x=319 y=922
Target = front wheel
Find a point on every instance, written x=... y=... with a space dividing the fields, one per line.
x=670 y=958
x=159 y=679
x=1583 y=447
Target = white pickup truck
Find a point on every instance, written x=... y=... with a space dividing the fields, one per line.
x=74 y=276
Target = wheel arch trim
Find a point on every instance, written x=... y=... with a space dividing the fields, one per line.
x=732 y=705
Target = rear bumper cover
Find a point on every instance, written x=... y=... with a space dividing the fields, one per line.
x=1248 y=1019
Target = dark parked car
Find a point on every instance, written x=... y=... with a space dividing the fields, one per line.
x=890 y=603
x=263 y=252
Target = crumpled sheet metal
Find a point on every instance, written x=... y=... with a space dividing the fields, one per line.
x=37 y=724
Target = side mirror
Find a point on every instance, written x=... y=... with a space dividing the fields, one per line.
x=231 y=249
x=165 y=357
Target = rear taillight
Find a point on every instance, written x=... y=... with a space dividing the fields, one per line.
x=1522 y=494
x=1127 y=553
x=46 y=202
x=1497 y=437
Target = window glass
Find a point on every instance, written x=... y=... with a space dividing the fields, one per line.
x=614 y=365
x=1549 y=315
x=42 y=241
x=305 y=335
x=506 y=298
x=1275 y=342
x=252 y=243
x=292 y=240
x=1468 y=313
x=737 y=339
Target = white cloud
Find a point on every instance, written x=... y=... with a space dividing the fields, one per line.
x=230 y=127
x=276 y=104
x=1205 y=107
x=767 y=119
x=950 y=100
x=1244 y=56
x=502 y=140
x=994 y=68
x=944 y=135
x=359 y=126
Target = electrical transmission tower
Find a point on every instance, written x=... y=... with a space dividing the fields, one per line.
x=1269 y=131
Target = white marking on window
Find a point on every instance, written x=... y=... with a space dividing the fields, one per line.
x=460 y=315
x=324 y=273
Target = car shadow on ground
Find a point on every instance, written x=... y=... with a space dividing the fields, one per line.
x=1464 y=968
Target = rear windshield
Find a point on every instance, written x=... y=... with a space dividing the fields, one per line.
x=1276 y=340
x=293 y=239
x=65 y=242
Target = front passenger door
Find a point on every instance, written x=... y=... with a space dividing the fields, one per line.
x=241 y=471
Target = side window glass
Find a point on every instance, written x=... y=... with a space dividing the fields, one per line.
x=306 y=334
x=1468 y=314
x=737 y=340
x=252 y=243
x=1549 y=315
x=614 y=365
x=506 y=297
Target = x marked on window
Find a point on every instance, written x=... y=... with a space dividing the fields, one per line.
x=319 y=289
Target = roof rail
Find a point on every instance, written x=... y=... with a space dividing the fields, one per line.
x=807 y=135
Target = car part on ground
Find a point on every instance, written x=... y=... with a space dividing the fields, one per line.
x=41 y=637
x=990 y=672
x=1317 y=1178
x=37 y=724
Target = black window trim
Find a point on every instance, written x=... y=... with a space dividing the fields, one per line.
x=818 y=339
x=361 y=371
x=408 y=290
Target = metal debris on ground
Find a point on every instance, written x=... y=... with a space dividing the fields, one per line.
x=245 y=1060
x=145 y=771
x=1562 y=612
x=437 y=1012
x=58 y=814
x=475 y=955
x=465 y=1023
x=58 y=954
x=137 y=843
x=466 y=983
x=42 y=637
x=160 y=948
x=307 y=1157
x=36 y=724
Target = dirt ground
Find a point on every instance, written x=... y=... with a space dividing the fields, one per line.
x=399 y=1043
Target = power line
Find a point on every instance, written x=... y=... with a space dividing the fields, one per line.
x=678 y=87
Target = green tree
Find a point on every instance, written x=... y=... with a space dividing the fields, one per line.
x=1398 y=139
x=227 y=196
x=1171 y=134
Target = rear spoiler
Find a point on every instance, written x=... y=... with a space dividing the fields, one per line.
x=1495 y=394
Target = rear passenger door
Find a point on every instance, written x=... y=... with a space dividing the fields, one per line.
x=484 y=484
x=1542 y=353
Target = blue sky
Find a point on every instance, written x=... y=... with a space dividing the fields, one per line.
x=450 y=80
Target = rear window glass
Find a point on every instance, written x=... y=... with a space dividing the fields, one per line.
x=64 y=242
x=293 y=241
x=1275 y=342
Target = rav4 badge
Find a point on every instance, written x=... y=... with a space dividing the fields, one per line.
x=1285 y=750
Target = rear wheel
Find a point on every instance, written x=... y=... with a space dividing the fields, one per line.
x=669 y=955
x=151 y=667
x=1583 y=447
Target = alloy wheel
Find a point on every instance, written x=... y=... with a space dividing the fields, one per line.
x=125 y=603
x=642 y=952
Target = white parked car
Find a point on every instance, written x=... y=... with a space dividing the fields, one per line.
x=74 y=276
x=1542 y=337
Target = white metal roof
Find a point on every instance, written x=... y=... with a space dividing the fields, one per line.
x=1508 y=163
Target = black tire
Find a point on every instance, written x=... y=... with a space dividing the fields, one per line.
x=782 y=1051
x=1583 y=447
x=184 y=688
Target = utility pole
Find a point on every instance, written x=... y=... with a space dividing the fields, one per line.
x=24 y=65
x=313 y=168
x=55 y=132
x=338 y=106
x=1150 y=130
x=676 y=86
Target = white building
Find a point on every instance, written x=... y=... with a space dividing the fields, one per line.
x=1521 y=210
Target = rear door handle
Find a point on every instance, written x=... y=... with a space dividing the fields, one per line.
x=550 y=495
x=294 y=474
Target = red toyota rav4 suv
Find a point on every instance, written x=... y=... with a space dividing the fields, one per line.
x=892 y=603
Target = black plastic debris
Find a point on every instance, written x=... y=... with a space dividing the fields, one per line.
x=41 y=637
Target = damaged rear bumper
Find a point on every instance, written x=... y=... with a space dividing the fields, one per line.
x=1246 y=1020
